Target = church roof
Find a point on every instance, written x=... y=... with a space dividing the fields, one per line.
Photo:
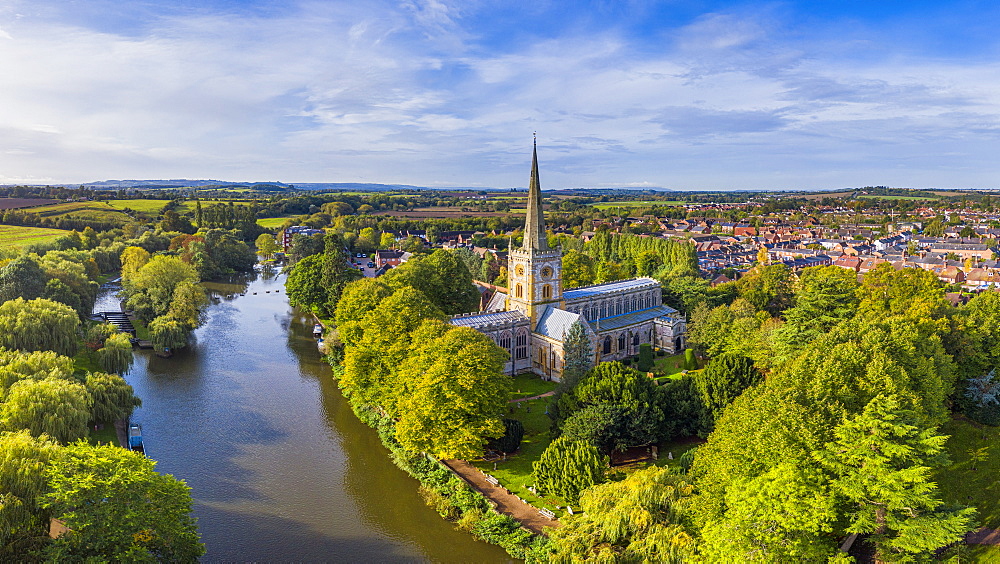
x=483 y=320
x=634 y=318
x=497 y=302
x=607 y=288
x=555 y=323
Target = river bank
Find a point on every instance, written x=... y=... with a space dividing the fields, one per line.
x=280 y=468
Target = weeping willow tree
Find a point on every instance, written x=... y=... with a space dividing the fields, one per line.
x=113 y=397
x=37 y=365
x=39 y=325
x=167 y=333
x=116 y=354
x=639 y=519
x=58 y=408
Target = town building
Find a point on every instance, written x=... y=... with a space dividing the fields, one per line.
x=538 y=312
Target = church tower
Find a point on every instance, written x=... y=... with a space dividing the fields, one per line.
x=534 y=269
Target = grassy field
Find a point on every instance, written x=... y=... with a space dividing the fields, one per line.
x=148 y=207
x=271 y=222
x=529 y=385
x=17 y=236
x=971 y=479
x=95 y=211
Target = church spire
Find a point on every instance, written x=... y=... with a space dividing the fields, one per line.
x=534 y=225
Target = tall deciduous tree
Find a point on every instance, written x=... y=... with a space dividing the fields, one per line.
x=39 y=325
x=358 y=300
x=58 y=408
x=151 y=289
x=304 y=284
x=116 y=354
x=118 y=509
x=267 y=246
x=22 y=278
x=166 y=333
x=113 y=398
x=725 y=378
x=23 y=460
x=458 y=398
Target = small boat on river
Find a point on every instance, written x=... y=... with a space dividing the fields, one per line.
x=135 y=438
x=318 y=331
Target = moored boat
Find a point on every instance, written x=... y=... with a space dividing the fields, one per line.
x=135 y=438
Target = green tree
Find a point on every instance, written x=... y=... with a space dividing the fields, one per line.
x=187 y=304
x=458 y=395
x=116 y=354
x=577 y=269
x=768 y=288
x=639 y=519
x=57 y=291
x=358 y=300
x=827 y=296
x=578 y=354
x=166 y=333
x=39 y=325
x=118 y=508
x=722 y=381
x=23 y=278
x=56 y=407
x=267 y=246
x=881 y=460
x=151 y=289
x=337 y=272
x=23 y=460
x=613 y=384
x=113 y=398
x=304 y=284
x=442 y=277
x=568 y=467
x=132 y=259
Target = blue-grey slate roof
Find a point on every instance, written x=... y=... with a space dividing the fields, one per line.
x=634 y=318
x=555 y=323
x=487 y=319
x=599 y=289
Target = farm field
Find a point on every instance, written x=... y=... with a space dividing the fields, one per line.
x=96 y=211
x=188 y=206
x=444 y=213
x=18 y=236
x=272 y=222
x=141 y=206
x=17 y=203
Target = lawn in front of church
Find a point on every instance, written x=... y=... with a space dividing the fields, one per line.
x=514 y=473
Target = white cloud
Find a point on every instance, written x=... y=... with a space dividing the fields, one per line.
x=407 y=93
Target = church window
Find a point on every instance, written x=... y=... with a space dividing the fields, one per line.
x=505 y=341
x=607 y=345
x=546 y=292
x=635 y=340
x=621 y=342
x=521 y=352
x=519 y=291
x=619 y=307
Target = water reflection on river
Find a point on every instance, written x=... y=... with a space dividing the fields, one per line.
x=280 y=468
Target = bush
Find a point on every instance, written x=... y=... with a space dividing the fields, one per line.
x=504 y=531
x=645 y=363
x=690 y=362
x=511 y=439
x=661 y=352
x=627 y=361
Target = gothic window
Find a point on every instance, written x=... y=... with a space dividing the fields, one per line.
x=518 y=291
x=504 y=341
x=521 y=352
x=621 y=342
x=635 y=340
x=546 y=292
x=618 y=307
x=607 y=345
x=642 y=302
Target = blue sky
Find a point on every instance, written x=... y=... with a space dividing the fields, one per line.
x=685 y=95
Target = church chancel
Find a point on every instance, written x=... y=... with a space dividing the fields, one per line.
x=537 y=312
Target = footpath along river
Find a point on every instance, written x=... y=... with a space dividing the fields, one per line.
x=280 y=468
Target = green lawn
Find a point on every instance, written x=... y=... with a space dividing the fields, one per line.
x=18 y=236
x=514 y=473
x=272 y=222
x=106 y=435
x=966 y=482
x=528 y=385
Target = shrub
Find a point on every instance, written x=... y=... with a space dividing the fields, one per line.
x=511 y=439
x=690 y=362
x=627 y=361
x=645 y=362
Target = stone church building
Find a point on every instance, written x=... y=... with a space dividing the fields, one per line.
x=531 y=321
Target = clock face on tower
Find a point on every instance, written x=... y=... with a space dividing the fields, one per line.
x=546 y=273
x=520 y=270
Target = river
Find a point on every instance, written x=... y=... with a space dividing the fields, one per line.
x=280 y=468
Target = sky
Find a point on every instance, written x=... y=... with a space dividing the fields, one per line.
x=684 y=95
